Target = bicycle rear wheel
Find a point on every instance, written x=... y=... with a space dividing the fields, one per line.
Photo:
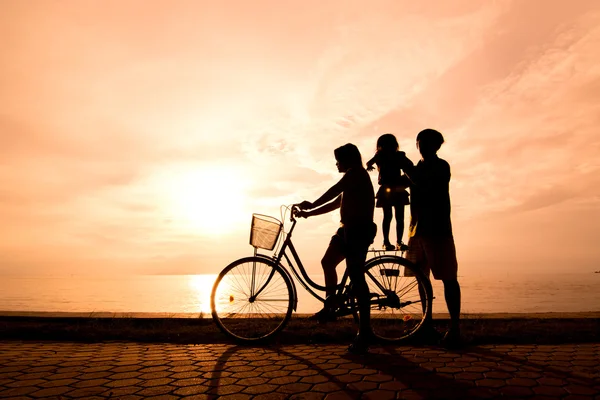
x=401 y=298
x=252 y=299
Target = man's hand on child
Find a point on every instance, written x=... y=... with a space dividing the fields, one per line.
x=405 y=162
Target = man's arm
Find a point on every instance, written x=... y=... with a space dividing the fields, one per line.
x=430 y=179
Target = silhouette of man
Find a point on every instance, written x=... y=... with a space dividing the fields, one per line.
x=431 y=242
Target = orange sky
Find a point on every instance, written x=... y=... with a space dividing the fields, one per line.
x=116 y=115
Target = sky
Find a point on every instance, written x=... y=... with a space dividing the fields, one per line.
x=139 y=137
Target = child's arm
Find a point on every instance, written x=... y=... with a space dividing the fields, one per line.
x=371 y=162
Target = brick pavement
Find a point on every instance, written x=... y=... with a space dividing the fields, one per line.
x=171 y=371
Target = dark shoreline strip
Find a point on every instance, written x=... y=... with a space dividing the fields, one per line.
x=533 y=330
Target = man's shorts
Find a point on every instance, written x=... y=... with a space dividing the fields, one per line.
x=435 y=254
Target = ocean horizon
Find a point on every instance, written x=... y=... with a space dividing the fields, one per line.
x=190 y=294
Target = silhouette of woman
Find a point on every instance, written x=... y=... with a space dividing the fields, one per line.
x=354 y=196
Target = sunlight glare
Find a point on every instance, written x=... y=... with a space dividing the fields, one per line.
x=202 y=286
x=209 y=200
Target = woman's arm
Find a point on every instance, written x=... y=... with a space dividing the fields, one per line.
x=333 y=193
x=334 y=205
x=330 y=194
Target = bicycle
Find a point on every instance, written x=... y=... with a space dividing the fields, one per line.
x=253 y=297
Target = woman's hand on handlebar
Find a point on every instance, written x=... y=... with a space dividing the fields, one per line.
x=298 y=210
x=302 y=214
x=305 y=205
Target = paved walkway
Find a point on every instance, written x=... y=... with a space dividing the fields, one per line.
x=169 y=371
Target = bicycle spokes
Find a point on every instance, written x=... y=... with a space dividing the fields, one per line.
x=251 y=299
x=398 y=307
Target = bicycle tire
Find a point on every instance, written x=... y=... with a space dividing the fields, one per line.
x=252 y=320
x=397 y=311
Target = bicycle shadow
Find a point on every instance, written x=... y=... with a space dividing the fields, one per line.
x=380 y=374
x=267 y=353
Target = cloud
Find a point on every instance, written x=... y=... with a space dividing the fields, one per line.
x=101 y=103
x=373 y=64
x=535 y=128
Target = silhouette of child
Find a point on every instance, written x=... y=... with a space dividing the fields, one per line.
x=431 y=243
x=354 y=196
x=392 y=193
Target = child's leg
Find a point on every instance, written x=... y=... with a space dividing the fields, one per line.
x=385 y=225
x=399 y=211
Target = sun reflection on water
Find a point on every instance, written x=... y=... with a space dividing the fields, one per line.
x=202 y=287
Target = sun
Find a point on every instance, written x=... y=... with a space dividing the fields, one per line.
x=208 y=199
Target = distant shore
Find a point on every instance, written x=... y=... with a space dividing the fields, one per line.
x=534 y=328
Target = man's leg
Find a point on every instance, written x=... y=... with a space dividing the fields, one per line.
x=452 y=295
x=417 y=254
x=447 y=270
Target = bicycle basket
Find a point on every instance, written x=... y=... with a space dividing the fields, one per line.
x=265 y=231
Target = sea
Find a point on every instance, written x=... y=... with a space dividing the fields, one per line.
x=190 y=294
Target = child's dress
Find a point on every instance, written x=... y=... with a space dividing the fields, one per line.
x=392 y=183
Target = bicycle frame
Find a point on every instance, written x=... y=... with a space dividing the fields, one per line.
x=298 y=270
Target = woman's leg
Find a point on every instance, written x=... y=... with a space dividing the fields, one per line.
x=333 y=256
x=356 y=268
x=357 y=245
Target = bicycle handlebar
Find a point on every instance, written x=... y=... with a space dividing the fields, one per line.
x=294 y=209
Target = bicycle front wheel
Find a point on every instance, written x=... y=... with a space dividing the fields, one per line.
x=252 y=299
x=401 y=298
